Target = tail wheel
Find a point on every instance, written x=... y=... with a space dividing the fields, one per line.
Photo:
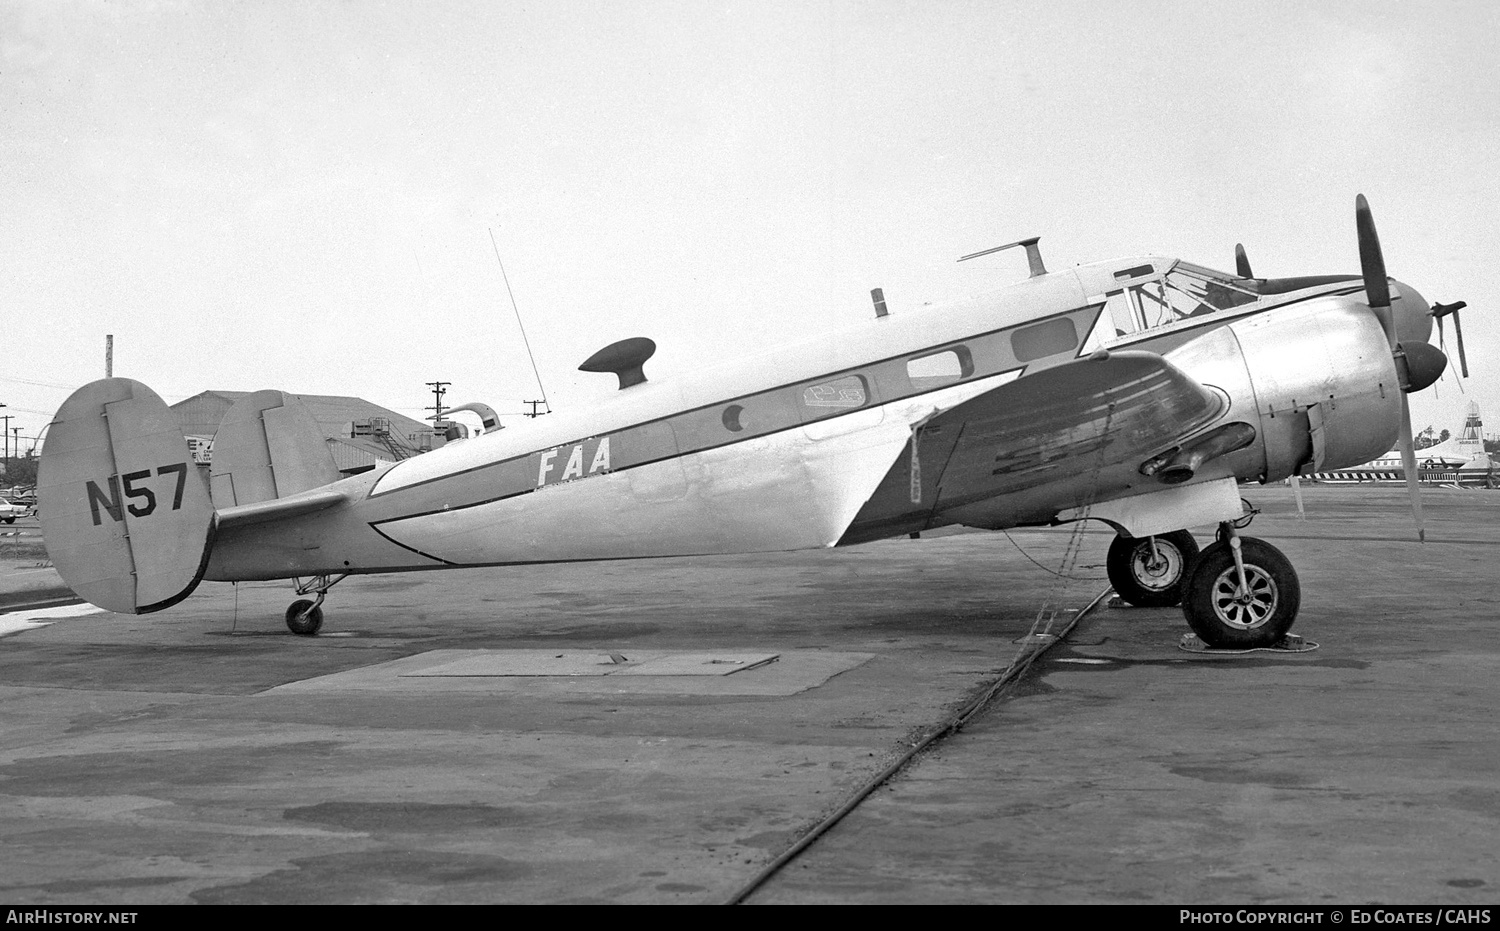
x=1147 y=576
x=1223 y=615
x=304 y=617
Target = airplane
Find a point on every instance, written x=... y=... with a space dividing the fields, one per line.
x=1139 y=392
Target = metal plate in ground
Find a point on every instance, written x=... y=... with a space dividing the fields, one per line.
x=537 y=663
x=699 y=664
x=678 y=672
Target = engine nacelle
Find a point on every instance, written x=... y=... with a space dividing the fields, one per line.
x=1316 y=380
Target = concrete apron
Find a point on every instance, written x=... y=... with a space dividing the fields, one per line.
x=1125 y=770
x=205 y=755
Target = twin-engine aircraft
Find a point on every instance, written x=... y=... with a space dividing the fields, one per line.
x=1139 y=392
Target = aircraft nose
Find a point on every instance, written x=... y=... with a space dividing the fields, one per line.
x=1413 y=315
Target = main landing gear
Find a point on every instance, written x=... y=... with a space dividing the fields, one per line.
x=306 y=617
x=1242 y=593
x=1149 y=572
x=1238 y=593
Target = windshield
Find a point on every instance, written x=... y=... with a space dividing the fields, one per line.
x=1150 y=299
x=1188 y=290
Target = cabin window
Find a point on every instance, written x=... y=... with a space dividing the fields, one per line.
x=733 y=415
x=1138 y=272
x=830 y=397
x=1044 y=339
x=936 y=369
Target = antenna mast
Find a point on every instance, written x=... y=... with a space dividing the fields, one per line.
x=1033 y=254
x=524 y=340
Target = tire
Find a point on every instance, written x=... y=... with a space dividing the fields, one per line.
x=1143 y=584
x=1222 y=620
x=305 y=625
x=10 y=520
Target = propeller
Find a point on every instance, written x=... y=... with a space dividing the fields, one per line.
x=1417 y=366
x=1439 y=311
x=1242 y=262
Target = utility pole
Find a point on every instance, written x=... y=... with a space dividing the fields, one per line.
x=6 y=418
x=534 y=412
x=439 y=388
x=109 y=355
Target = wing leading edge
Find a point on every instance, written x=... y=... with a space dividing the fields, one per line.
x=1088 y=423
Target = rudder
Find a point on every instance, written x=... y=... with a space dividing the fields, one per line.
x=126 y=519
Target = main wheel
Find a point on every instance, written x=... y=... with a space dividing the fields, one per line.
x=1223 y=616
x=1147 y=579
x=304 y=617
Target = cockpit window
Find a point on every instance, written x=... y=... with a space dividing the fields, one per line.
x=1184 y=290
x=1189 y=290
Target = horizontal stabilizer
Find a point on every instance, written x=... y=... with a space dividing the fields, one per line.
x=268 y=447
x=125 y=515
x=296 y=505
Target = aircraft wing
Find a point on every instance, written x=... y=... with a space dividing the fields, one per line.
x=1090 y=422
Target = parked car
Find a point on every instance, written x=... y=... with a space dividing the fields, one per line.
x=9 y=512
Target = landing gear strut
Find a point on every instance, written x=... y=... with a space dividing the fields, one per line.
x=306 y=617
x=1242 y=593
x=1149 y=572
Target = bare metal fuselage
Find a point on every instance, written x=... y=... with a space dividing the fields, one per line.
x=789 y=449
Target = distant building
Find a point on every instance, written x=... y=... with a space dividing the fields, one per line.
x=360 y=434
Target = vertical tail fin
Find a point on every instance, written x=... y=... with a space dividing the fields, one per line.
x=126 y=516
x=268 y=447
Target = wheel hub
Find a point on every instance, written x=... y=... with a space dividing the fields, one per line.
x=1156 y=571
x=1249 y=607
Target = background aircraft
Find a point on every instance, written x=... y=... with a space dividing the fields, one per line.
x=1138 y=391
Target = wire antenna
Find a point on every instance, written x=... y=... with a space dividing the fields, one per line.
x=524 y=340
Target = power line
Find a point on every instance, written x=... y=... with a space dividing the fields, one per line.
x=439 y=388
x=38 y=384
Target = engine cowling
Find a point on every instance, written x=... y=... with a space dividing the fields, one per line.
x=1316 y=380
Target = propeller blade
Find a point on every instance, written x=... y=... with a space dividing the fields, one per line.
x=1420 y=356
x=1372 y=265
x=1439 y=311
x=1409 y=465
x=1242 y=262
x=1458 y=333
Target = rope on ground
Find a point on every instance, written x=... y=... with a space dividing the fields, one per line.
x=1034 y=644
x=1032 y=559
x=951 y=725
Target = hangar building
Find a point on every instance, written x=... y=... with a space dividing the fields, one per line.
x=359 y=433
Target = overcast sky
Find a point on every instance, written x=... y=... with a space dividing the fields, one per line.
x=300 y=195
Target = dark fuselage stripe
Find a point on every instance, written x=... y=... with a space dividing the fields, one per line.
x=765 y=413
x=776 y=410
